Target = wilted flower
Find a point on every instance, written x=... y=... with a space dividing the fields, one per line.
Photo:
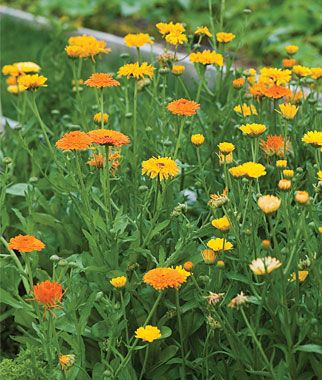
x=264 y=265
x=66 y=361
x=239 y=300
x=225 y=158
x=274 y=144
x=245 y=110
x=269 y=203
x=214 y=298
x=218 y=200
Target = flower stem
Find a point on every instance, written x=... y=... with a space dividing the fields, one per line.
x=184 y=376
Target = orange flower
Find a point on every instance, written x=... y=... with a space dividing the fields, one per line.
x=239 y=82
x=224 y=37
x=288 y=62
x=26 y=243
x=257 y=89
x=277 y=92
x=101 y=80
x=274 y=144
x=85 y=46
x=183 y=107
x=163 y=278
x=76 y=140
x=98 y=161
x=108 y=137
x=49 y=294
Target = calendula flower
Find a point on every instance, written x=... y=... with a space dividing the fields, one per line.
x=85 y=47
x=302 y=197
x=281 y=163
x=163 y=278
x=10 y=70
x=277 y=92
x=225 y=158
x=288 y=173
x=26 y=243
x=162 y=167
x=246 y=110
x=166 y=28
x=313 y=138
x=137 y=40
x=178 y=69
x=264 y=265
x=48 y=293
x=220 y=264
x=288 y=62
x=284 y=184
x=203 y=30
x=135 y=70
x=221 y=224
x=101 y=80
x=219 y=244
x=209 y=256
x=16 y=88
x=20 y=68
x=98 y=161
x=197 y=139
x=296 y=97
x=320 y=229
x=214 y=298
x=118 y=282
x=176 y=38
x=207 y=57
x=75 y=140
x=253 y=130
x=183 y=107
x=274 y=76
x=269 y=204
x=319 y=175
x=108 y=137
x=258 y=90
x=239 y=82
x=301 y=71
x=302 y=275
x=187 y=266
x=248 y=169
x=148 y=333
x=218 y=200
x=238 y=301
x=32 y=82
x=316 y=72
x=288 y=110
x=274 y=144
x=237 y=171
x=226 y=147
x=98 y=117
x=66 y=361
x=291 y=49
x=224 y=37
x=266 y=244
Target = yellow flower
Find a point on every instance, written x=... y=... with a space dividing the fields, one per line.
x=264 y=265
x=301 y=71
x=291 y=49
x=85 y=46
x=203 y=30
x=137 y=40
x=313 y=137
x=288 y=173
x=284 y=184
x=164 y=167
x=219 y=244
x=221 y=224
x=176 y=38
x=178 y=69
x=320 y=230
x=98 y=118
x=238 y=83
x=136 y=70
x=66 y=361
x=207 y=57
x=281 y=163
x=27 y=67
x=302 y=197
x=197 y=139
x=166 y=28
x=269 y=203
x=148 y=333
x=288 y=110
x=225 y=158
x=253 y=169
x=302 y=274
x=272 y=75
x=118 y=282
x=320 y=175
x=32 y=82
x=253 y=130
x=220 y=264
x=245 y=110
x=226 y=147
x=224 y=37
x=16 y=88
x=316 y=72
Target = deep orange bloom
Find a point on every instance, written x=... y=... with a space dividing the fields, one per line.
x=163 y=278
x=257 y=89
x=274 y=144
x=26 y=243
x=76 y=140
x=48 y=293
x=277 y=92
x=101 y=80
x=183 y=107
x=288 y=62
x=108 y=137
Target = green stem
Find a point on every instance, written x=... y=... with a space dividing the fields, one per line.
x=184 y=376
x=145 y=362
x=179 y=139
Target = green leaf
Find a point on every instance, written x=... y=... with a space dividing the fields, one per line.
x=310 y=348
x=7 y=299
x=165 y=332
x=18 y=189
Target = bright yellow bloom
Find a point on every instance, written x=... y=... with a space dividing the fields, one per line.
x=164 y=167
x=320 y=175
x=197 y=139
x=85 y=46
x=66 y=361
x=224 y=37
x=207 y=57
x=136 y=70
x=221 y=224
x=320 y=230
x=178 y=69
x=226 y=147
x=176 y=38
x=220 y=263
x=301 y=71
x=237 y=171
x=16 y=88
x=264 y=265
x=248 y=169
x=20 y=68
x=316 y=72
x=288 y=110
x=302 y=274
x=31 y=82
x=313 y=137
x=288 y=173
x=272 y=75
x=166 y=28
x=118 y=282
x=253 y=130
x=246 y=110
x=137 y=40
x=269 y=203
x=148 y=333
x=219 y=244
x=302 y=197
x=203 y=30
x=281 y=163
x=291 y=49
x=98 y=117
